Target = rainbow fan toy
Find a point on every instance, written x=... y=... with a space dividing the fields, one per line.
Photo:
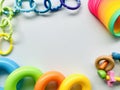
x=108 y=12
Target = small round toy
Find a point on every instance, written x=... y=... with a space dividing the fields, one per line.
x=20 y=73
x=48 y=77
x=73 y=79
x=9 y=66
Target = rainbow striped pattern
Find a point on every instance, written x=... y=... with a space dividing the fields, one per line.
x=108 y=12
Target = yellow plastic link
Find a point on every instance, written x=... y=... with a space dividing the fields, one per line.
x=10 y=47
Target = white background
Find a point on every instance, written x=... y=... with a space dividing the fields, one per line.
x=66 y=41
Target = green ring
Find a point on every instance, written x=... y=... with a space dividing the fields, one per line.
x=112 y=23
x=20 y=73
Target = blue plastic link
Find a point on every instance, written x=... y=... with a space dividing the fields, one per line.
x=54 y=8
x=116 y=56
x=44 y=11
x=18 y=6
x=69 y=7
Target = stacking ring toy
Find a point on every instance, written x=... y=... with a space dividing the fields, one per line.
x=48 y=77
x=109 y=16
x=11 y=44
x=7 y=65
x=73 y=79
x=107 y=64
x=20 y=73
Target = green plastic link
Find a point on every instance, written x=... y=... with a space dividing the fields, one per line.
x=11 y=13
x=6 y=21
x=1 y=3
x=9 y=25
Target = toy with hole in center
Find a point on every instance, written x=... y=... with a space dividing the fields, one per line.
x=109 y=16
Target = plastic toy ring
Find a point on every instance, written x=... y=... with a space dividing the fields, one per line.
x=73 y=79
x=109 y=59
x=11 y=44
x=18 y=6
x=71 y=8
x=46 y=78
x=5 y=22
x=8 y=66
x=9 y=11
x=20 y=73
x=53 y=8
x=42 y=11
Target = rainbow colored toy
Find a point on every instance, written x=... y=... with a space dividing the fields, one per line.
x=108 y=12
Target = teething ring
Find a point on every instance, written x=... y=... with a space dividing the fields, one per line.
x=8 y=66
x=107 y=74
x=20 y=73
x=11 y=44
x=46 y=78
x=80 y=79
x=108 y=59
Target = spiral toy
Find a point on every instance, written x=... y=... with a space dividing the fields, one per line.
x=107 y=12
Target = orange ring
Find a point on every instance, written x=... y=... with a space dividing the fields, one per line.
x=47 y=77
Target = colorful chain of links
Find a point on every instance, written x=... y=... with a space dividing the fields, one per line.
x=6 y=22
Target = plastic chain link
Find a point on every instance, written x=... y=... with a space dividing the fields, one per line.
x=4 y=24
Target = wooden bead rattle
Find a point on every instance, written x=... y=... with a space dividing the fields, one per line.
x=105 y=64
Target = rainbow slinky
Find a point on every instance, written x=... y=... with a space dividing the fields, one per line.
x=108 y=12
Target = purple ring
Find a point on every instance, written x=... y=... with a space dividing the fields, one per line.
x=71 y=8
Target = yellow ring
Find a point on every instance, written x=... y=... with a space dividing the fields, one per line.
x=11 y=44
x=73 y=79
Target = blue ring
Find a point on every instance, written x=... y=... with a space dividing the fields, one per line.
x=54 y=8
x=18 y=6
x=44 y=11
x=69 y=7
x=8 y=66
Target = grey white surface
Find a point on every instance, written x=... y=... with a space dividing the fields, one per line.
x=65 y=42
